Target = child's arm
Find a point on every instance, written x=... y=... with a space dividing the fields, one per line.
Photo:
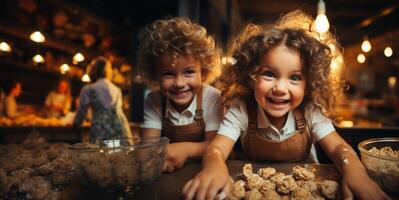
x=178 y=153
x=214 y=175
x=355 y=179
x=150 y=133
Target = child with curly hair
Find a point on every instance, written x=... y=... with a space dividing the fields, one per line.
x=280 y=93
x=180 y=59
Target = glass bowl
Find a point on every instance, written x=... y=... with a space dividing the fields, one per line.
x=382 y=168
x=120 y=164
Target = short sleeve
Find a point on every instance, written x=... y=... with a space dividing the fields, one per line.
x=214 y=113
x=320 y=125
x=234 y=121
x=152 y=111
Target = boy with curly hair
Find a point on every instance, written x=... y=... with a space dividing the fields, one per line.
x=180 y=59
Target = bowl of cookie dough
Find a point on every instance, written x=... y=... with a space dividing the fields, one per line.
x=380 y=156
x=119 y=165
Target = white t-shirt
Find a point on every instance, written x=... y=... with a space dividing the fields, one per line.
x=236 y=120
x=211 y=106
x=59 y=100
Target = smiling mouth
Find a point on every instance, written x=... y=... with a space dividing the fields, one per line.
x=278 y=101
x=180 y=94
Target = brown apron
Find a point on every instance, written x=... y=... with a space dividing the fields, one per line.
x=294 y=149
x=194 y=132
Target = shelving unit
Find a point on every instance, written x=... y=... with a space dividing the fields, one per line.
x=38 y=80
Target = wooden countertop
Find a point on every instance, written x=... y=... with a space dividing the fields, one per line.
x=169 y=186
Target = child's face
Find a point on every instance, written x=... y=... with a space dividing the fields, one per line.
x=279 y=83
x=180 y=79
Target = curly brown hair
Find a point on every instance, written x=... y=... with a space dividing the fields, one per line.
x=177 y=36
x=256 y=40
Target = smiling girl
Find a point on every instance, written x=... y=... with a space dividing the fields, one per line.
x=281 y=97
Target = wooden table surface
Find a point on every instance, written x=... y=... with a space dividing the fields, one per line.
x=169 y=186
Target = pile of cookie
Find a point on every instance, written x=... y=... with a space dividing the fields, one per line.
x=34 y=171
x=268 y=184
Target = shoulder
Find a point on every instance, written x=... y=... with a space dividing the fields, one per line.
x=9 y=98
x=154 y=98
x=238 y=106
x=314 y=115
x=51 y=93
x=209 y=91
x=154 y=94
x=86 y=88
x=110 y=84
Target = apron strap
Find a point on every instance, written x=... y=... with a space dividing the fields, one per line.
x=199 y=112
x=252 y=109
x=300 y=121
x=163 y=104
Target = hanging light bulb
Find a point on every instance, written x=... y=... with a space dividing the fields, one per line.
x=392 y=81
x=64 y=68
x=85 y=78
x=361 y=58
x=366 y=45
x=37 y=37
x=38 y=58
x=388 y=52
x=321 y=21
x=5 y=47
x=78 y=58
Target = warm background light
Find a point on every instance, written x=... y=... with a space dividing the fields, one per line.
x=5 y=47
x=392 y=81
x=85 y=78
x=37 y=37
x=228 y=60
x=361 y=58
x=366 y=45
x=38 y=58
x=78 y=58
x=388 y=52
x=64 y=68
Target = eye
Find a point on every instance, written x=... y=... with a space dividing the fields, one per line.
x=295 y=77
x=268 y=74
x=189 y=72
x=167 y=74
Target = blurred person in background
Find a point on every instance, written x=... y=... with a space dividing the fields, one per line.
x=58 y=101
x=105 y=100
x=2 y=99
x=10 y=106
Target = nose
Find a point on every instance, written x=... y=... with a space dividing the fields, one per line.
x=280 y=87
x=179 y=81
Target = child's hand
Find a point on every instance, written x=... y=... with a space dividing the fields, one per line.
x=176 y=155
x=207 y=183
x=360 y=185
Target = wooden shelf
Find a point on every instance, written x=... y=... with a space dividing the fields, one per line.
x=23 y=33
x=24 y=67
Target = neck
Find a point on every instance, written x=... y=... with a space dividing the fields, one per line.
x=278 y=122
x=181 y=108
